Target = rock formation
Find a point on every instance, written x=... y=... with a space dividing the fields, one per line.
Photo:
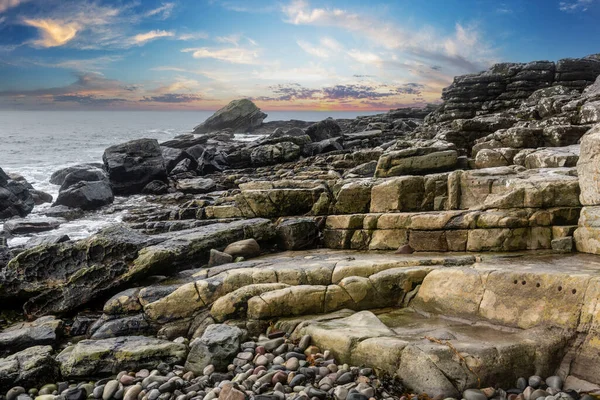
x=434 y=246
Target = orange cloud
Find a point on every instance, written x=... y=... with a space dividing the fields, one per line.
x=53 y=32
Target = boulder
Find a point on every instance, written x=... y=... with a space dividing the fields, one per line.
x=83 y=175
x=269 y=154
x=27 y=226
x=43 y=331
x=219 y=258
x=61 y=277
x=217 y=346
x=93 y=358
x=588 y=167
x=86 y=195
x=30 y=368
x=40 y=197
x=297 y=234
x=240 y=116
x=195 y=185
x=247 y=248
x=173 y=156
x=15 y=197
x=156 y=188
x=323 y=130
x=427 y=157
x=134 y=164
x=58 y=177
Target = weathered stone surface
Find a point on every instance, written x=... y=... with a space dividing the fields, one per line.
x=132 y=165
x=43 y=331
x=588 y=167
x=269 y=154
x=29 y=368
x=92 y=358
x=297 y=234
x=323 y=130
x=398 y=194
x=217 y=346
x=15 y=198
x=240 y=116
x=25 y=226
x=195 y=185
x=57 y=278
x=235 y=304
x=418 y=160
x=86 y=195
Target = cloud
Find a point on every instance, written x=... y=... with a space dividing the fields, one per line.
x=193 y=36
x=86 y=99
x=53 y=33
x=172 y=98
x=337 y=93
x=234 y=55
x=465 y=48
x=327 y=47
x=164 y=11
x=575 y=5
x=6 y=4
x=235 y=39
x=142 y=38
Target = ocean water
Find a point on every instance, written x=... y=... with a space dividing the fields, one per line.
x=37 y=143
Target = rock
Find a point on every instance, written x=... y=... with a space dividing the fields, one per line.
x=90 y=358
x=46 y=240
x=195 y=185
x=83 y=175
x=26 y=226
x=156 y=188
x=563 y=245
x=228 y=392
x=30 y=368
x=297 y=234
x=173 y=157
x=219 y=258
x=86 y=195
x=555 y=382
x=40 y=197
x=134 y=164
x=323 y=130
x=217 y=346
x=269 y=154
x=43 y=331
x=424 y=157
x=15 y=198
x=240 y=116
x=247 y=248
x=65 y=212
x=58 y=177
x=57 y=278
x=474 y=394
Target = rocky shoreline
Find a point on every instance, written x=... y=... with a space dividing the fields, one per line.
x=437 y=251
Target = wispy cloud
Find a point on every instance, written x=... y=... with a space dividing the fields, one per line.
x=466 y=44
x=142 y=38
x=575 y=5
x=6 y=4
x=234 y=55
x=164 y=11
x=193 y=36
x=327 y=47
x=53 y=33
x=172 y=98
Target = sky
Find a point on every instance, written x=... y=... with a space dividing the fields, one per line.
x=282 y=54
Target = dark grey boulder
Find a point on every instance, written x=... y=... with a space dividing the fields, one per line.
x=83 y=175
x=156 y=188
x=297 y=234
x=15 y=197
x=325 y=129
x=26 y=226
x=132 y=165
x=86 y=195
x=30 y=368
x=174 y=156
x=42 y=331
x=239 y=116
x=217 y=346
x=58 y=177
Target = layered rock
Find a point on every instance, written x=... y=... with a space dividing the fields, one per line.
x=240 y=116
x=15 y=197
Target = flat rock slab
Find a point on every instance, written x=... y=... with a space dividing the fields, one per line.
x=28 y=368
x=92 y=358
x=25 y=226
x=43 y=331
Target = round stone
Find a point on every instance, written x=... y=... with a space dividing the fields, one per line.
x=535 y=381
x=521 y=383
x=555 y=382
x=537 y=394
x=261 y=360
x=208 y=370
x=13 y=393
x=304 y=342
x=474 y=394
x=110 y=389
x=132 y=392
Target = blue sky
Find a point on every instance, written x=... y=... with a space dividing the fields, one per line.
x=283 y=54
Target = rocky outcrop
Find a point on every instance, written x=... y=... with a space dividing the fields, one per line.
x=30 y=367
x=132 y=165
x=44 y=331
x=85 y=195
x=92 y=358
x=239 y=116
x=15 y=197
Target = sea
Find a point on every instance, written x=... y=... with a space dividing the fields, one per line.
x=34 y=144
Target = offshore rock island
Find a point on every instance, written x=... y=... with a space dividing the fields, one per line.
x=451 y=251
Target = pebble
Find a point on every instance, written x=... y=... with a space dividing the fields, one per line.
x=110 y=389
x=535 y=381
x=13 y=393
x=537 y=394
x=474 y=394
x=554 y=382
x=521 y=383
